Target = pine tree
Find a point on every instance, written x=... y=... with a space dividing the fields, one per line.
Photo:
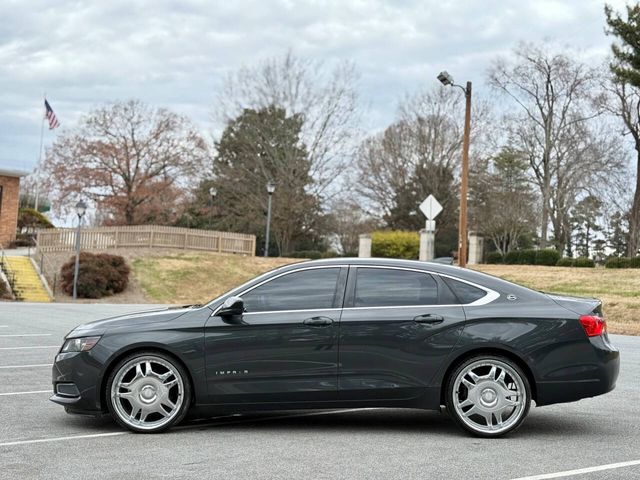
x=626 y=73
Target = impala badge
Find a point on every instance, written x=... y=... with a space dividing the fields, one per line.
x=231 y=372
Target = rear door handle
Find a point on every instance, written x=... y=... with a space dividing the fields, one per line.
x=429 y=318
x=318 y=321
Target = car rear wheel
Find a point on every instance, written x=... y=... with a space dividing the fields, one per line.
x=148 y=392
x=488 y=395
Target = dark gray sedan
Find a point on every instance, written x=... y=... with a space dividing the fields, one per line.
x=344 y=333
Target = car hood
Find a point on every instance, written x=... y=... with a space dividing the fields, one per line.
x=579 y=305
x=99 y=327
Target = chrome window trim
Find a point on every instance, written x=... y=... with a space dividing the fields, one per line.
x=295 y=311
x=315 y=267
x=488 y=298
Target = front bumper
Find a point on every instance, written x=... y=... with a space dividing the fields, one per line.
x=76 y=379
x=595 y=375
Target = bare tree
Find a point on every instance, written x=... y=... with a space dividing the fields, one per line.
x=553 y=94
x=419 y=154
x=503 y=203
x=325 y=98
x=347 y=222
x=623 y=102
x=133 y=161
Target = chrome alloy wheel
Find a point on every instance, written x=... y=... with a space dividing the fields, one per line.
x=489 y=396
x=147 y=392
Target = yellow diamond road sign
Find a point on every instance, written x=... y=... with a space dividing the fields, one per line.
x=430 y=207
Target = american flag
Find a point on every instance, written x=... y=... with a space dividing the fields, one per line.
x=49 y=115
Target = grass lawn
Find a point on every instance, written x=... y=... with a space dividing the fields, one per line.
x=189 y=277
x=619 y=289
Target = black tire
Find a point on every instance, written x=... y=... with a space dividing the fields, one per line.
x=178 y=371
x=450 y=395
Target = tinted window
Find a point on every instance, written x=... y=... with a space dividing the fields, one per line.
x=295 y=291
x=381 y=287
x=466 y=293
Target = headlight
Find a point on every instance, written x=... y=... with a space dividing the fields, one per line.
x=82 y=344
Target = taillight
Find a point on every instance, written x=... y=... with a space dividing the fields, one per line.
x=593 y=325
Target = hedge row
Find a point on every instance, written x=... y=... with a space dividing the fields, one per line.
x=395 y=244
x=580 y=262
x=549 y=257
x=622 y=262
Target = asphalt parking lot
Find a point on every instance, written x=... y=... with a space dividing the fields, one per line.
x=38 y=440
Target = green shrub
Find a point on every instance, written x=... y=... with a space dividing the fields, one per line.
x=99 y=275
x=395 y=244
x=495 y=257
x=566 y=262
x=617 y=262
x=23 y=240
x=528 y=257
x=310 y=254
x=512 y=257
x=30 y=218
x=584 y=262
x=547 y=256
x=634 y=262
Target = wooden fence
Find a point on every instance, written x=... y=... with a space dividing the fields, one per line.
x=146 y=236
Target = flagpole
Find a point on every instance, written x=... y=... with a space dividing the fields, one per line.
x=37 y=172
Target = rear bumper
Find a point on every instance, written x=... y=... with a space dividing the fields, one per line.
x=596 y=376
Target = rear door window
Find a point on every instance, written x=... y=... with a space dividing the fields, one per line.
x=383 y=287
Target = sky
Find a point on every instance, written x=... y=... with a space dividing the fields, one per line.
x=176 y=54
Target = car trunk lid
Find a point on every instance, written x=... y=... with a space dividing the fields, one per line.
x=579 y=305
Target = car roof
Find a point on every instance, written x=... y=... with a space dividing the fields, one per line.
x=387 y=262
x=473 y=276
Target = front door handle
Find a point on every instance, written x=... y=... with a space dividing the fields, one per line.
x=429 y=318
x=318 y=321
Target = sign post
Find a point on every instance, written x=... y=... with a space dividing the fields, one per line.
x=431 y=208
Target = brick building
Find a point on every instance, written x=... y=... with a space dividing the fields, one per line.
x=9 y=197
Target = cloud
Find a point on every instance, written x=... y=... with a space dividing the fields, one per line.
x=176 y=53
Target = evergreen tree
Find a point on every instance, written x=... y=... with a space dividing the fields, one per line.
x=618 y=235
x=625 y=69
x=585 y=220
x=257 y=147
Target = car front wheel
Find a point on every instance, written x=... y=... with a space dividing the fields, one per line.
x=488 y=395
x=148 y=392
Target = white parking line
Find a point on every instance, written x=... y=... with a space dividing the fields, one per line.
x=25 y=393
x=27 y=366
x=60 y=439
x=570 y=473
x=183 y=427
x=24 y=348
x=28 y=335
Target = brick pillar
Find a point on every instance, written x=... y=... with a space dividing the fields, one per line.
x=9 y=198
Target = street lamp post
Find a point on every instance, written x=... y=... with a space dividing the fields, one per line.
x=271 y=187
x=212 y=192
x=447 y=79
x=81 y=208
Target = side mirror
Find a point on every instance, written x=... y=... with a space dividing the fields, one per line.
x=231 y=307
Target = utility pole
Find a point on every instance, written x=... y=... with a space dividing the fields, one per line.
x=464 y=179
x=446 y=79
